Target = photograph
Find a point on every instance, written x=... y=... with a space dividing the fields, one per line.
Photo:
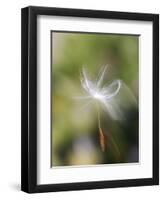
x=94 y=99
x=90 y=99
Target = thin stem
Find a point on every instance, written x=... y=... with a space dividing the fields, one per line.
x=102 y=137
x=98 y=116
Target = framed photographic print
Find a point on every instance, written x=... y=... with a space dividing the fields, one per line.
x=90 y=99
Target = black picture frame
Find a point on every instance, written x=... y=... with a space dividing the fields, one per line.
x=29 y=98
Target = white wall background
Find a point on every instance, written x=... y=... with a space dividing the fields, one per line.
x=10 y=79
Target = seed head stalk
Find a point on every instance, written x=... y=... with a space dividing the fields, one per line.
x=102 y=136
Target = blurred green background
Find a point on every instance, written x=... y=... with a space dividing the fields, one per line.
x=75 y=135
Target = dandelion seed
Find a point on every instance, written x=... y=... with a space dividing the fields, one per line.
x=100 y=95
x=96 y=92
